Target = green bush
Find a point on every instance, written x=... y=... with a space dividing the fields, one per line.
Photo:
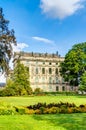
x=63 y=110
x=38 y=92
x=20 y=110
x=42 y=110
x=5 y=111
x=7 y=92
x=61 y=93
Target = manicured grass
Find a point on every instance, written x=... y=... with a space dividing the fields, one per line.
x=24 y=101
x=76 y=121
x=44 y=122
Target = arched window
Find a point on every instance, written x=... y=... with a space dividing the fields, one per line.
x=50 y=71
x=43 y=70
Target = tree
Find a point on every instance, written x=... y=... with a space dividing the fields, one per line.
x=74 y=64
x=6 y=39
x=82 y=85
x=21 y=79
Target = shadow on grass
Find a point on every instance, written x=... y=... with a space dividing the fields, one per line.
x=67 y=121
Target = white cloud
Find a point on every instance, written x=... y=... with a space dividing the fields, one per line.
x=61 y=8
x=19 y=47
x=41 y=39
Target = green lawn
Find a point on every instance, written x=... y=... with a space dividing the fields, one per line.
x=22 y=101
x=44 y=122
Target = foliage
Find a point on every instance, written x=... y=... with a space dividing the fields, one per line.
x=38 y=91
x=21 y=79
x=50 y=105
x=42 y=108
x=7 y=92
x=19 y=83
x=82 y=85
x=6 y=39
x=71 y=93
x=53 y=108
x=9 y=83
x=20 y=110
x=74 y=64
x=6 y=109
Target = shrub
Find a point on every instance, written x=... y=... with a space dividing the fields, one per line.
x=53 y=110
x=28 y=111
x=37 y=106
x=37 y=111
x=69 y=110
x=42 y=110
x=56 y=108
x=5 y=111
x=20 y=110
x=38 y=91
x=63 y=110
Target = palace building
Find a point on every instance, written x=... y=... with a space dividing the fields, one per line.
x=44 y=70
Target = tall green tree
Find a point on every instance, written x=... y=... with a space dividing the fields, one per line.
x=6 y=39
x=74 y=64
x=82 y=85
x=21 y=79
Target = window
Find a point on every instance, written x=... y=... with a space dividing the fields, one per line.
x=43 y=70
x=63 y=88
x=57 y=88
x=62 y=81
x=36 y=79
x=43 y=63
x=57 y=63
x=50 y=71
x=36 y=70
x=56 y=71
x=56 y=80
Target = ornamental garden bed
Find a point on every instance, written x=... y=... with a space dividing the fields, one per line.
x=42 y=108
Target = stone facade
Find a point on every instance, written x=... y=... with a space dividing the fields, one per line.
x=44 y=70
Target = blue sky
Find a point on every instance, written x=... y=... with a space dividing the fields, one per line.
x=46 y=25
